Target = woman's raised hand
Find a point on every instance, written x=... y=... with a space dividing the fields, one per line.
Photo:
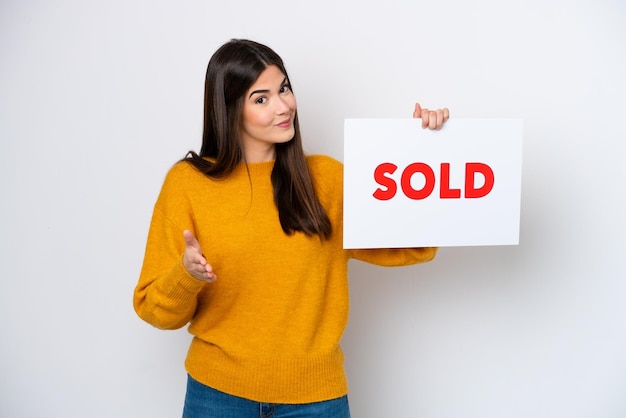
x=194 y=260
x=431 y=119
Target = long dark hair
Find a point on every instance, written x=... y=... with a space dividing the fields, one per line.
x=232 y=70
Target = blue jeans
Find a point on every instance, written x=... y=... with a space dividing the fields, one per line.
x=202 y=401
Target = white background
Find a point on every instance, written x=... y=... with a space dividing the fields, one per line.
x=98 y=99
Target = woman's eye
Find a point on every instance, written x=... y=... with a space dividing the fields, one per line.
x=261 y=100
x=285 y=88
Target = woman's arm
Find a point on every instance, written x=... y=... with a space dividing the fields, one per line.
x=174 y=270
x=394 y=257
x=166 y=294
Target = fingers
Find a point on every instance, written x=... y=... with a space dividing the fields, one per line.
x=431 y=119
x=425 y=118
x=439 y=121
x=197 y=266
x=194 y=257
x=434 y=119
x=207 y=274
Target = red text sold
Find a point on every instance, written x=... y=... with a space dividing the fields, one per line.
x=383 y=177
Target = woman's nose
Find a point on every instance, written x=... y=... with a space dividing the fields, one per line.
x=282 y=106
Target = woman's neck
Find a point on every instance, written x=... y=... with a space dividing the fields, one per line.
x=261 y=154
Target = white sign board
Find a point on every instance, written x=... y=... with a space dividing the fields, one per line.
x=405 y=186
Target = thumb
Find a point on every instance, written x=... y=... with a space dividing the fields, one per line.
x=417 y=113
x=190 y=240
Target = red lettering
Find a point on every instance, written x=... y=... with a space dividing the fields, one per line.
x=389 y=188
x=429 y=177
x=471 y=192
x=388 y=182
x=445 y=192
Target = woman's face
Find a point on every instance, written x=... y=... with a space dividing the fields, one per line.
x=269 y=109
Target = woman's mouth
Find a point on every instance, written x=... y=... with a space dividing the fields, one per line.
x=284 y=124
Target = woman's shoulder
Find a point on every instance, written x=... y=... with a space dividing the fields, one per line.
x=183 y=170
x=324 y=163
x=182 y=175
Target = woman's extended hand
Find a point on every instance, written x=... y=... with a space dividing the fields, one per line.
x=431 y=119
x=194 y=260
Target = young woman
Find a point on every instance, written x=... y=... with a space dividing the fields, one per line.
x=252 y=209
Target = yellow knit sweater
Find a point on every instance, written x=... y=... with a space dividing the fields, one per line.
x=269 y=328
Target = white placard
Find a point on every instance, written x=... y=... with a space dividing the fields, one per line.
x=405 y=186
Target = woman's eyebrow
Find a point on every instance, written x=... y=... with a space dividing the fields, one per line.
x=266 y=90
x=257 y=92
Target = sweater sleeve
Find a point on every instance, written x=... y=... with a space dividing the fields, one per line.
x=166 y=294
x=390 y=257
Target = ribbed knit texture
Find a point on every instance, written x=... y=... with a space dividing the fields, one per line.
x=269 y=328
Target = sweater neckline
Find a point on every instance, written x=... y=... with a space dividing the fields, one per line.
x=260 y=168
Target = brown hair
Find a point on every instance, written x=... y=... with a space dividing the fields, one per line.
x=232 y=70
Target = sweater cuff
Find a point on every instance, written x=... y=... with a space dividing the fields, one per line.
x=189 y=283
